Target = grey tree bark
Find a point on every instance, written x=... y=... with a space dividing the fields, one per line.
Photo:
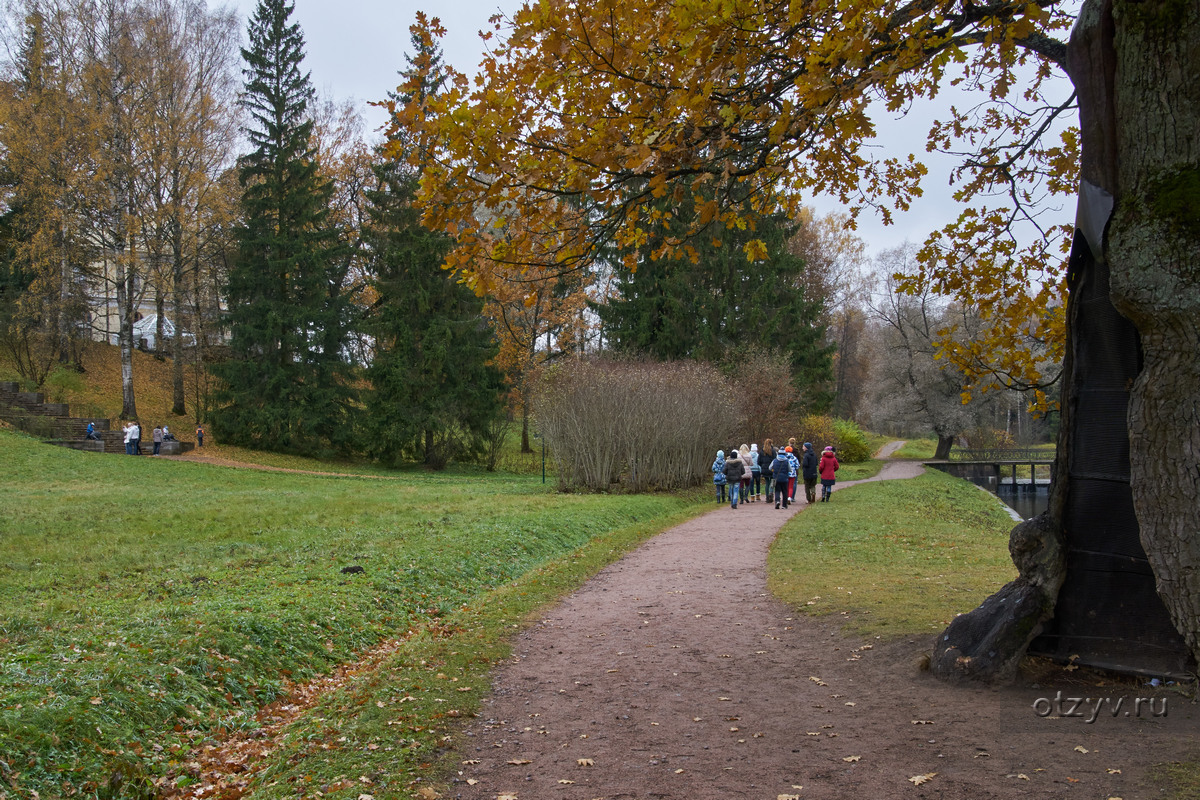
x=1153 y=246
x=1133 y=66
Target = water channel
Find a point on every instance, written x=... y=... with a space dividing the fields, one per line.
x=1026 y=502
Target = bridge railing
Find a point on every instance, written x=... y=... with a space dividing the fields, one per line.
x=998 y=454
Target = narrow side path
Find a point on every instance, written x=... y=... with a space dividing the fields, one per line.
x=673 y=674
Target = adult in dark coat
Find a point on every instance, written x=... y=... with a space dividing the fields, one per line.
x=808 y=467
x=734 y=471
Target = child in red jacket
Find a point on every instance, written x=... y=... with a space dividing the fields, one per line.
x=827 y=467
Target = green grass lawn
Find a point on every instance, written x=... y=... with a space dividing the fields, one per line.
x=897 y=557
x=147 y=603
x=917 y=448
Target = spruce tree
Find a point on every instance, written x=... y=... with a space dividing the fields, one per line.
x=722 y=305
x=286 y=381
x=434 y=389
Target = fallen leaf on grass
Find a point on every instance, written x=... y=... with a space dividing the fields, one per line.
x=852 y=758
x=917 y=780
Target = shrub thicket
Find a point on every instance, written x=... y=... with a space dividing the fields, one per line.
x=846 y=436
x=639 y=425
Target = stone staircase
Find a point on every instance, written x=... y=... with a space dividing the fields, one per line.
x=53 y=423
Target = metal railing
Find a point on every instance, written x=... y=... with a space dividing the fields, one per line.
x=1004 y=454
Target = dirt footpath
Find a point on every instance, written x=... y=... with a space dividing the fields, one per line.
x=673 y=674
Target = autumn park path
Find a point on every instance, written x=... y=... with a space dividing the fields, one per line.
x=674 y=674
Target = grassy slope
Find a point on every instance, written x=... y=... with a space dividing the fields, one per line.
x=140 y=596
x=97 y=391
x=896 y=557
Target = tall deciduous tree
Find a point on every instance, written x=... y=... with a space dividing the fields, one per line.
x=190 y=135
x=47 y=135
x=590 y=102
x=434 y=389
x=909 y=382
x=286 y=382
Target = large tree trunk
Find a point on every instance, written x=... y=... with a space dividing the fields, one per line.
x=1131 y=414
x=943 y=447
x=125 y=310
x=1153 y=247
x=177 y=404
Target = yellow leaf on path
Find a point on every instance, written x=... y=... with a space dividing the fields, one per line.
x=565 y=782
x=517 y=762
x=506 y=797
x=813 y=733
x=471 y=781
x=787 y=797
x=585 y=762
x=1080 y=749
x=922 y=722
x=471 y=761
x=1113 y=771
x=852 y=758
x=425 y=793
x=678 y=771
x=917 y=780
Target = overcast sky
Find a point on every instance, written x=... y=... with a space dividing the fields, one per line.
x=356 y=48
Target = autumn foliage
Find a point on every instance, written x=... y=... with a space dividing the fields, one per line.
x=585 y=117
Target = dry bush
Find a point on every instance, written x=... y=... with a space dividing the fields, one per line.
x=639 y=425
x=765 y=394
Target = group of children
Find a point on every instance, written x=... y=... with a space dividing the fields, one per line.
x=746 y=469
